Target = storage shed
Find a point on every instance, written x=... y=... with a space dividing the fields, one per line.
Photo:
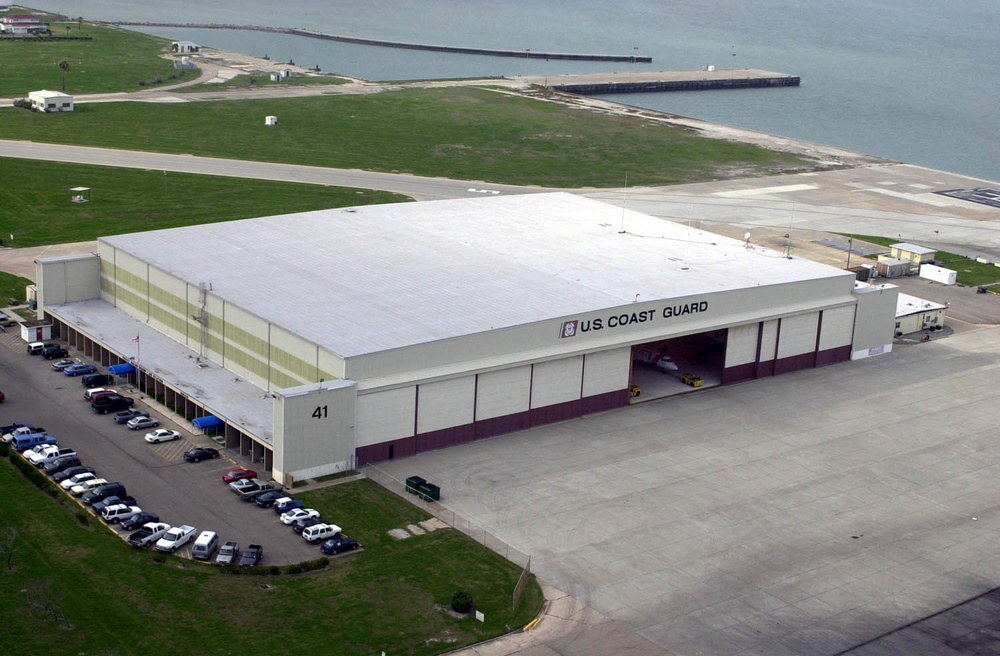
x=51 y=101
x=915 y=255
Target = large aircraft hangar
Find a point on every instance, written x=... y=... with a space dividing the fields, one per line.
x=324 y=340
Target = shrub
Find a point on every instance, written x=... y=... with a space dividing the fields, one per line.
x=461 y=602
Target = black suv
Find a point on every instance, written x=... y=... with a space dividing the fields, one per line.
x=111 y=403
x=53 y=351
x=91 y=381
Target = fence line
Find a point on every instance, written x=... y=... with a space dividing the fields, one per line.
x=450 y=517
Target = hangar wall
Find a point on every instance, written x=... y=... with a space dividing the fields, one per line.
x=67 y=279
x=260 y=351
x=314 y=430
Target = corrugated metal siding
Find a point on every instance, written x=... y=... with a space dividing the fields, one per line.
x=503 y=392
x=445 y=404
x=838 y=327
x=741 y=344
x=798 y=335
x=557 y=381
x=606 y=371
x=385 y=416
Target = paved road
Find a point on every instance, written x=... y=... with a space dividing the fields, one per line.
x=420 y=188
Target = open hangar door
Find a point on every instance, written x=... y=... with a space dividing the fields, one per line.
x=676 y=365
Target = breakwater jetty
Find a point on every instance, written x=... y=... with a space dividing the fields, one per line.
x=313 y=34
x=596 y=84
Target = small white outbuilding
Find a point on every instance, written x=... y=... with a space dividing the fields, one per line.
x=51 y=101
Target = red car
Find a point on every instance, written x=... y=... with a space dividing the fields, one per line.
x=238 y=474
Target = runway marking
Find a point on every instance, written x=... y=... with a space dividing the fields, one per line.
x=927 y=199
x=739 y=193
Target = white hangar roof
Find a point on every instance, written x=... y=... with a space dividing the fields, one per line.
x=371 y=278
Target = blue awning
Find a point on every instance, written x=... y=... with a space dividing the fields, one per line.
x=208 y=421
x=122 y=369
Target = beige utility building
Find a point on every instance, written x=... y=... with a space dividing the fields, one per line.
x=323 y=340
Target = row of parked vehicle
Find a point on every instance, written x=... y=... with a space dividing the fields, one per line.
x=306 y=522
x=108 y=499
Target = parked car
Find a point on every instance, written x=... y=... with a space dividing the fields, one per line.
x=248 y=492
x=244 y=484
x=237 y=474
x=320 y=532
x=114 y=500
x=175 y=538
x=45 y=459
x=162 y=435
x=199 y=454
x=72 y=480
x=87 y=486
x=139 y=423
x=267 y=499
x=36 y=453
x=54 y=351
x=117 y=512
x=284 y=504
x=79 y=369
x=138 y=519
x=102 y=492
x=5 y=320
x=22 y=443
x=36 y=348
x=126 y=415
x=336 y=545
x=97 y=380
x=298 y=513
x=252 y=556
x=111 y=403
x=59 y=464
x=96 y=393
x=229 y=554
x=148 y=534
x=300 y=525
x=59 y=365
x=24 y=429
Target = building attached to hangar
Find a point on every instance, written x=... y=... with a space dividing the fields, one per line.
x=328 y=339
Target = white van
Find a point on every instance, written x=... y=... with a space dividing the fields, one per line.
x=205 y=545
x=319 y=532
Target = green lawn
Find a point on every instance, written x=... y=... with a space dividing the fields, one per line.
x=124 y=601
x=12 y=287
x=113 y=60
x=460 y=133
x=38 y=210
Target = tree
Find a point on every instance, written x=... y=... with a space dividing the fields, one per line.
x=8 y=545
x=64 y=66
x=40 y=596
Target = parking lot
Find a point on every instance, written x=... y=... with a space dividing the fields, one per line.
x=156 y=475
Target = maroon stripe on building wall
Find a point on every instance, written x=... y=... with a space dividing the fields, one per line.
x=794 y=363
x=739 y=373
x=378 y=452
x=500 y=425
x=602 y=402
x=765 y=368
x=833 y=355
x=445 y=437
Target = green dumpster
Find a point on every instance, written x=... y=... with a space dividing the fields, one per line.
x=429 y=492
x=413 y=484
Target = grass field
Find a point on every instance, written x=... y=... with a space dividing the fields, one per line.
x=37 y=199
x=114 y=60
x=122 y=601
x=461 y=133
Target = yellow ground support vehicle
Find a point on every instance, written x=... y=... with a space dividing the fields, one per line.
x=634 y=391
x=692 y=380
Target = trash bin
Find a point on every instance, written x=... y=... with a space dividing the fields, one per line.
x=429 y=492
x=413 y=483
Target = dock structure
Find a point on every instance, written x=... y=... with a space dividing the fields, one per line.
x=595 y=84
x=527 y=53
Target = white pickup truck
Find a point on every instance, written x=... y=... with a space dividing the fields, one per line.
x=175 y=538
x=42 y=458
x=149 y=533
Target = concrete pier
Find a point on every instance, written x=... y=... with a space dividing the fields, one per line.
x=594 y=84
x=489 y=52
